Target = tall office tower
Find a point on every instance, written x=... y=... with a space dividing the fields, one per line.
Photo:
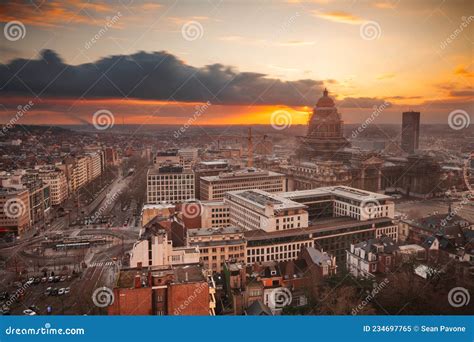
x=410 y=131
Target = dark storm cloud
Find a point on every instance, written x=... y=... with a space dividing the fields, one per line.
x=151 y=76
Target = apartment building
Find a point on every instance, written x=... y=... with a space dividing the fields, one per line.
x=215 y=214
x=257 y=209
x=56 y=179
x=169 y=184
x=218 y=246
x=215 y=187
x=14 y=211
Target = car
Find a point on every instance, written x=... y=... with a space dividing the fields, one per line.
x=50 y=279
x=61 y=291
x=47 y=292
x=44 y=279
x=29 y=312
x=4 y=295
x=34 y=308
x=17 y=284
x=67 y=290
x=54 y=292
x=69 y=277
x=5 y=310
x=37 y=281
x=63 y=278
x=56 y=279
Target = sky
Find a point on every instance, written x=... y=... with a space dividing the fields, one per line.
x=160 y=62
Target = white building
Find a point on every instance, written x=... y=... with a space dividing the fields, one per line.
x=188 y=157
x=154 y=249
x=215 y=187
x=215 y=214
x=169 y=184
x=257 y=209
x=94 y=165
x=56 y=179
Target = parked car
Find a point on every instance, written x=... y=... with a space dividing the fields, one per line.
x=34 y=308
x=44 y=279
x=56 y=279
x=3 y=295
x=67 y=290
x=5 y=310
x=17 y=284
x=48 y=291
x=37 y=281
x=63 y=278
x=50 y=279
x=61 y=291
x=29 y=312
x=54 y=292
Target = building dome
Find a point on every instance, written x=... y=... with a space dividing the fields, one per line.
x=325 y=100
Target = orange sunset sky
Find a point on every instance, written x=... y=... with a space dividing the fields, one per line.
x=156 y=62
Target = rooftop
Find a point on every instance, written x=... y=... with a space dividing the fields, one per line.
x=262 y=199
x=244 y=173
x=342 y=191
x=214 y=231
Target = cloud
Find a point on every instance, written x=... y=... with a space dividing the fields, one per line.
x=360 y=102
x=338 y=16
x=385 y=76
x=151 y=76
x=462 y=93
x=462 y=71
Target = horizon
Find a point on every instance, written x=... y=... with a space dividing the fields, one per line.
x=153 y=63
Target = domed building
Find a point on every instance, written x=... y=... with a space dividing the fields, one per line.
x=324 y=139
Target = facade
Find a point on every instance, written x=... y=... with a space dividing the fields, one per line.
x=367 y=258
x=94 y=165
x=56 y=179
x=208 y=168
x=215 y=187
x=215 y=214
x=218 y=246
x=164 y=291
x=410 y=131
x=324 y=139
x=163 y=158
x=169 y=184
x=111 y=156
x=257 y=209
x=14 y=211
x=154 y=249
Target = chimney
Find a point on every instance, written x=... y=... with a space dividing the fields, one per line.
x=186 y=276
x=137 y=281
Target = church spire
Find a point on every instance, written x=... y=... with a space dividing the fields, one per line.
x=325 y=92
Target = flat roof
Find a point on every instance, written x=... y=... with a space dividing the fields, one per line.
x=244 y=173
x=342 y=191
x=214 y=231
x=262 y=198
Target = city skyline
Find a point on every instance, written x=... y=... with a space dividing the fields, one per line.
x=153 y=63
